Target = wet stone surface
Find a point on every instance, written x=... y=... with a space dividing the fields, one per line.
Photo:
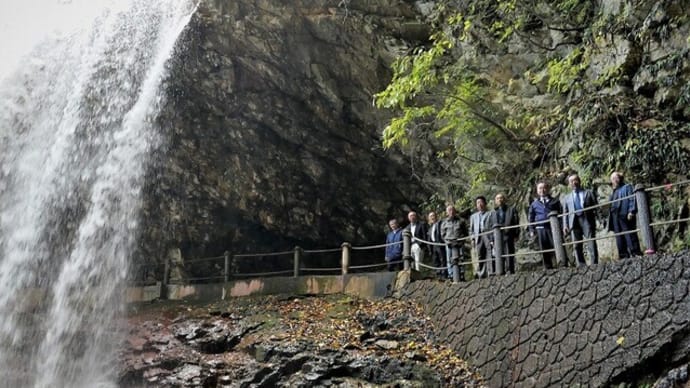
x=288 y=342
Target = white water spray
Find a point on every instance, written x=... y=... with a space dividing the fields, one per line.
x=77 y=123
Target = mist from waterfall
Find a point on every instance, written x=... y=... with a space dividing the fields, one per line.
x=78 y=121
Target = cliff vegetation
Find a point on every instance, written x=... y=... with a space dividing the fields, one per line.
x=508 y=92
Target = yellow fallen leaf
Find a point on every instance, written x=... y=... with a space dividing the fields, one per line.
x=620 y=340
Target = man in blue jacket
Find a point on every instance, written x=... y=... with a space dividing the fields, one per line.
x=622 y=217
x=539 y=213
x=394 y=250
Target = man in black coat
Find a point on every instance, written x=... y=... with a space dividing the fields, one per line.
x=507 y=216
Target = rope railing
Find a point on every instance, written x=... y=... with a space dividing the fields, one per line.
x=195 y=279
x=435 y=243
x=322 y=269
x=322 y=250
x=375 y=265
x=554 y=222
x=528 y=253
x=676 y=221
x=368 y=247
x=267 y=254
x=259 y=274
x=584 y=240
x=668 y=186
x=202 y=260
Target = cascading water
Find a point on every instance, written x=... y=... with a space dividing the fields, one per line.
x=77 y=123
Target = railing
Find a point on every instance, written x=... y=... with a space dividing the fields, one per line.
x=340 y=260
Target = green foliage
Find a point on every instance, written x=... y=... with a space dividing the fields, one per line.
x=655 y=152
x=486 y=136
x=396 y=131
x=412 y=75
x=566 y=74
x=610 y=76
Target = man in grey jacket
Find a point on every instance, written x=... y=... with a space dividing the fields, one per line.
x=580 y=221
x=481 y=224
x=453 y=228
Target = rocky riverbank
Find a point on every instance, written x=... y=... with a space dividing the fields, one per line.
x=335 y=341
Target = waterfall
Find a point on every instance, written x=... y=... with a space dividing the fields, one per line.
x=78 y=121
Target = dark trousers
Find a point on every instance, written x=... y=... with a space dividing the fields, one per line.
x=438 y=255
x=583 y=229
x=628 y=244
x=546 y=242
x=395 y=264
x=509 y=249
x=483 y=247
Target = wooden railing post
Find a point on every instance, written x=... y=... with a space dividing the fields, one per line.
x=498 y=250
x=297 y=260
x=561 y=257
x=407 y=246
x=226 y=257
x=644 y=220
x=345 y=258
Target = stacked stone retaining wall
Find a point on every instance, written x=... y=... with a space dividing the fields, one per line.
x=590 y=326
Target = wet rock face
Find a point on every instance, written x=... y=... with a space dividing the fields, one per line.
x=272 y=139
x=608 y=324
x=273 y=343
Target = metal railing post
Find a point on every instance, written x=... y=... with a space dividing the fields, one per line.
x=345 y=258
x=644 y=220
x=226 y=257
x=556 y=233
x=407 y=245
x=296 y=262
x=166 y=279
x=498 y=250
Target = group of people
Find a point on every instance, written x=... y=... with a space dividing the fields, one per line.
x=445 y=235
x=578 y=209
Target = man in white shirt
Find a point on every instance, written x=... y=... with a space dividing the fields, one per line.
x=438 y=252
x=418 y=230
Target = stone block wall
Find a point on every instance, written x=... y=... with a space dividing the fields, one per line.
x=591 y=326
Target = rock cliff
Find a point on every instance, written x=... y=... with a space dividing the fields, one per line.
x=272 y=138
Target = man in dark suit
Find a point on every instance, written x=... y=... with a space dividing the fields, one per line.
x=622 y=217
x=438 y=252
x=418 y=230
x=581 y=223
x=539 y=213
x=507 y=216
x=481 y=222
